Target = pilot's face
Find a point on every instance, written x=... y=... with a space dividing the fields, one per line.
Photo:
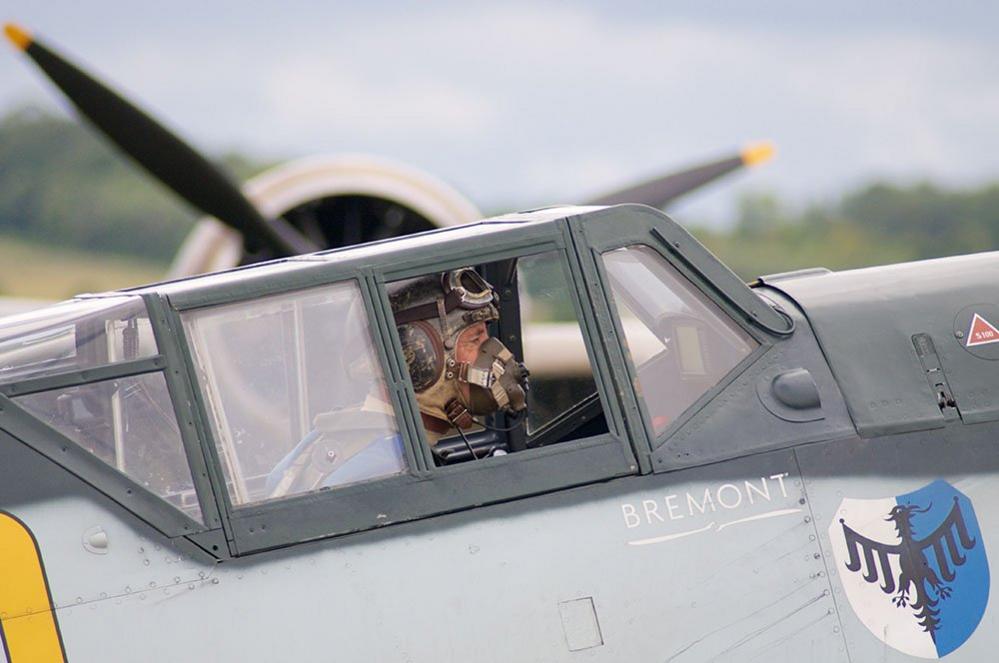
x=469 y=341
x=466 y=348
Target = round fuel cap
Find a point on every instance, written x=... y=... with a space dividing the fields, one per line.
x=976 y=328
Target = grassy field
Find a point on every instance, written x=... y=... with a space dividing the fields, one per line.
x=33 y=270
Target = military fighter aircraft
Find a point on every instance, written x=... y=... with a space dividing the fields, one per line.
x=244 y=465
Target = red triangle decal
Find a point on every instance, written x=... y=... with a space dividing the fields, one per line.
x=981 y=332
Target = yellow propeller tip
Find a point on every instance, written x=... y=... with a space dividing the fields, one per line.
x=17 y=35
x=758 y=153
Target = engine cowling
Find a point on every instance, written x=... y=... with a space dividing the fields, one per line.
x=336 y=201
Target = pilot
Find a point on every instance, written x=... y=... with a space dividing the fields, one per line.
x=354 y=442
x=458 y=370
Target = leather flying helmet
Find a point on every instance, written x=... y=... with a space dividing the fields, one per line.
x=431 y=312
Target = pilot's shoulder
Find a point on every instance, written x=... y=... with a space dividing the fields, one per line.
x=355 y=419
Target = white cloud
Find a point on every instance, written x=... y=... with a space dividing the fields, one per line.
x=306 y=93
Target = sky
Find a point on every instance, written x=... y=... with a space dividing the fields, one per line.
x=523 y=104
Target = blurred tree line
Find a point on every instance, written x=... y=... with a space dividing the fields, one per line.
x=875 y=224
x=63 y=186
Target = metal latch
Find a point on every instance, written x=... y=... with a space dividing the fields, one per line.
x=935 y=375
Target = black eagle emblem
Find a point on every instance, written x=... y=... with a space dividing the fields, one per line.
x=913 y=573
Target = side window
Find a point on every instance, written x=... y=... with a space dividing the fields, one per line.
x=554 y=351
x=680 y=343
x=128 y=422
x=496 y=363
x=295 y=392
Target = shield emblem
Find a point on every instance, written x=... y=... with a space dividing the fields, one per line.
x=913 y=567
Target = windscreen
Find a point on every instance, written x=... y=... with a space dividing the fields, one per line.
x=679 y=342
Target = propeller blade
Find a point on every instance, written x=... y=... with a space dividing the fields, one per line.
x=168 y=158
x=664 y=190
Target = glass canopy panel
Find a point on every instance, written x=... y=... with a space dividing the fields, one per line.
x=129 y=424
x=74 y=336
x=295 y=392
x=554 y=350
x=679 y=342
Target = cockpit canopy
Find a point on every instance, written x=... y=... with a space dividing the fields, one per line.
x=74 y=336
x=275 y=400
x=72 y=367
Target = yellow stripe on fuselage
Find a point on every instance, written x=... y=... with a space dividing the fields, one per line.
x=26 y=616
